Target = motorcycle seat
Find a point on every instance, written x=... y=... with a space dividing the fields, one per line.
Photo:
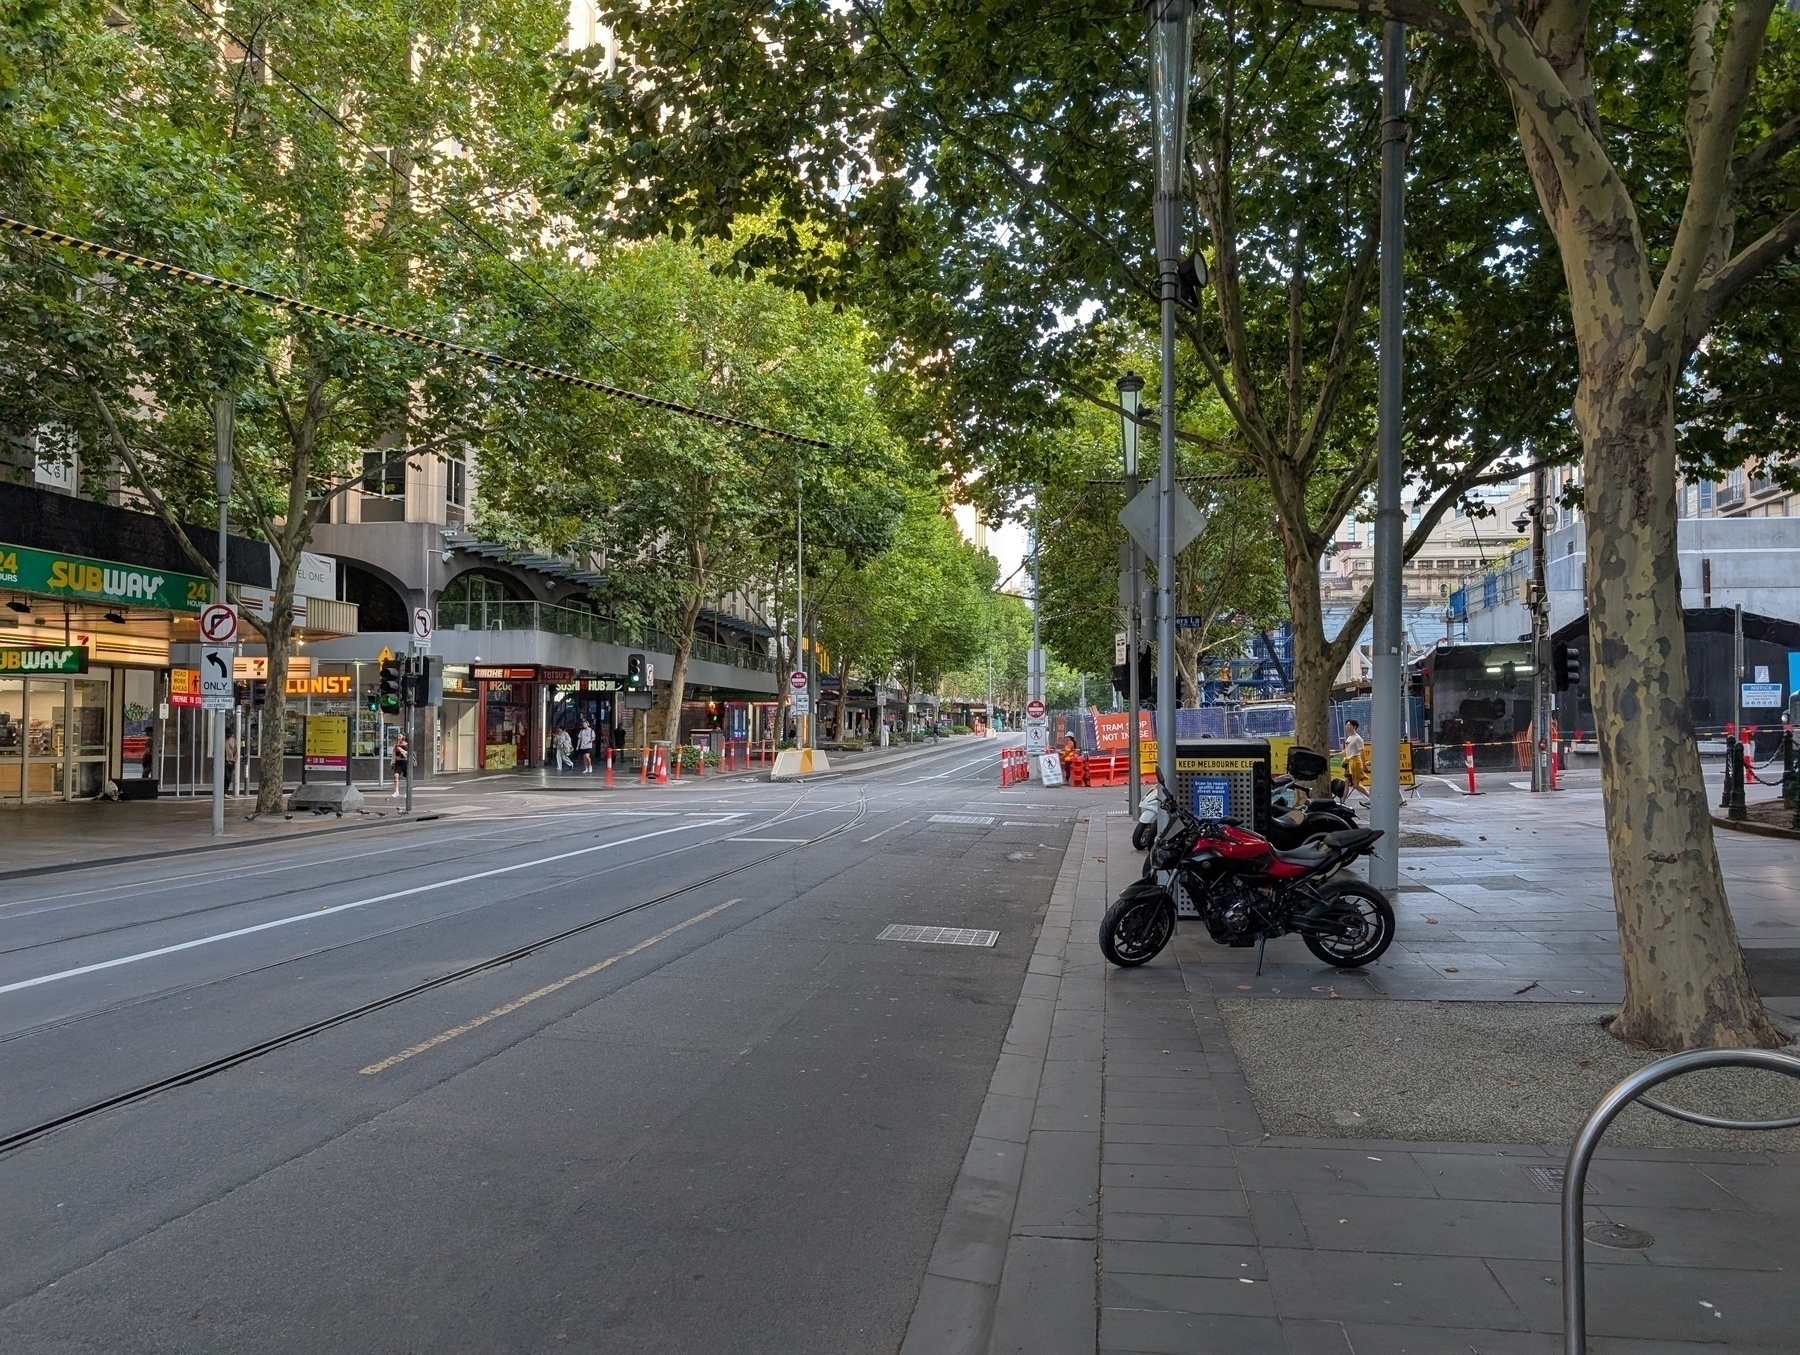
x=1326 y=845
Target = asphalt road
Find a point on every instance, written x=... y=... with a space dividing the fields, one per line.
x=725 y=1118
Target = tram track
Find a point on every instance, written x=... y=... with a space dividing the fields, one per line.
x=224 y=1063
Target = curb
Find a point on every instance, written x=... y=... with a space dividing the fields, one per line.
x=98 y=862
x=960 y=1295
x=1756 y=829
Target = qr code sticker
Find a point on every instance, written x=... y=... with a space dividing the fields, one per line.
x=1210 y=806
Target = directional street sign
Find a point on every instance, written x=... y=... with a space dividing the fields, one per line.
x=1139 y=518
x=218 y=623
x=802 y=703
x=1119 y=646
x=216 y=692
x=421 y=624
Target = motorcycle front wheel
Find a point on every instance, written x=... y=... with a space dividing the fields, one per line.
x=1368 y=921
x=1142 y=836
x=1137 y=926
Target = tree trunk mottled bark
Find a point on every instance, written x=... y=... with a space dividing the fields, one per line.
x=1685 y=982
x=684 y=648
x=271 y=743
x=1316 y=660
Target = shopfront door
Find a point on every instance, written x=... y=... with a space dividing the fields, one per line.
x=54 y=738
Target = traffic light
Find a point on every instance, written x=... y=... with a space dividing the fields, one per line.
x=1122 y=680
x=1565 y=666
x=387 y=693
x=714 y=716
x=634 y=673
x=1146 y=678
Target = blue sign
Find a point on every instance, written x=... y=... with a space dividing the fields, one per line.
x=1212 y=797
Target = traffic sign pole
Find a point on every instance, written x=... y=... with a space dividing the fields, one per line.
x=224 y=420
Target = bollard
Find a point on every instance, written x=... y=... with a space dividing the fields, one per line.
x=644 y=769
x=609 y=753
x=1790 y=786
x=1469 y=765
x=1555 y=761
x=1730 y=757
x=1734 y=780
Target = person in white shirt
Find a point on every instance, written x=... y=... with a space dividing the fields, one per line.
x=584 y=744
x=1354 y=744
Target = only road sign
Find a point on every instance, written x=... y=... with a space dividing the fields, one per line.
x=217 y=692
x=218 y=623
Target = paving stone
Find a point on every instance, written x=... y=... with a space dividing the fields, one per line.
x=1204 y=1229
x=1368 y=1339
x=1390 y=1289
x=1060 y=1191
x=1183 y=1176
x=1175 y=1333
x=1662 y=1303
x=1046 y=1304
x=1432 y=1227
x=1217 y=1260
x=1131 y=1200
x=1243 y=1296
x=1344 y=1170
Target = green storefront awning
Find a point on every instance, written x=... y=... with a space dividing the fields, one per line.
x=16 y=661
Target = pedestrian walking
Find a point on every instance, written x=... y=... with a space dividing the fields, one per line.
x=231 y=756
x=1355 y=776
x=584 y=745
x=399 y=764
x=564 y=748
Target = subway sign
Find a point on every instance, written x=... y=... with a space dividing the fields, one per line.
x=85 y=580
x=73 y=659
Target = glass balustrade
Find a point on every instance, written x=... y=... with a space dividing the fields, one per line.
x=490 y=615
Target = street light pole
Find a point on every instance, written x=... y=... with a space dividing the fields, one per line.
x=1540 y=637
x=1390 y=522
x=1171 y=56
x=224 y=426
x=1131 y=394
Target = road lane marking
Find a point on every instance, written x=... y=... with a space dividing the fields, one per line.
x=885 y=831
x=509 y=1008
x=339 y=908
x=768 y=839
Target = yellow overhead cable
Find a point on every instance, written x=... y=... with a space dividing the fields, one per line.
x=481 y=355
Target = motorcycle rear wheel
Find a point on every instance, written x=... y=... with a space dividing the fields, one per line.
x=1374 y=917
x=1137 y=926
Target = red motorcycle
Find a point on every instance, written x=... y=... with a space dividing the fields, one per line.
x=1247 y=891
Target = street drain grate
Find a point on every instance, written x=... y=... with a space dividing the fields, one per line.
x=940 y=936
x=978 y=820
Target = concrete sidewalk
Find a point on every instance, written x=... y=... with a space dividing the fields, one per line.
x=1122 y=1192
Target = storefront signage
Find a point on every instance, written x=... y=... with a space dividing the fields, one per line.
x=549 y=674
x=327 y=742
x=70 y=660
x=325 y=684
x=76 y=576
x=524 y=674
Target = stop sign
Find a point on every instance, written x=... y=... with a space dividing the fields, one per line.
x=1035 y=709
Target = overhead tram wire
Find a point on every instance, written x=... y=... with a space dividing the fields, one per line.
x=484 y=356
x=455 y=217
